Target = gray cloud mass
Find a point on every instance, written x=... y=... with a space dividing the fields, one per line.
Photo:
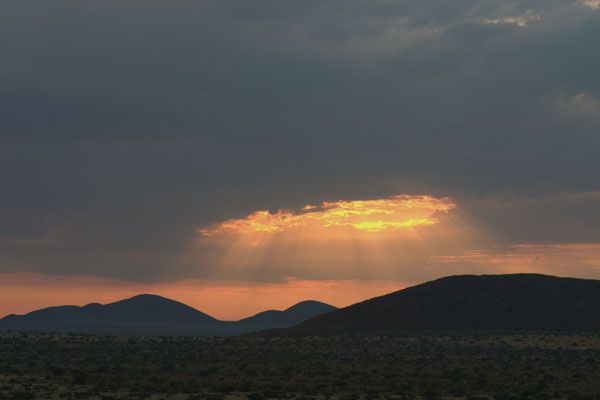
x=125 y=125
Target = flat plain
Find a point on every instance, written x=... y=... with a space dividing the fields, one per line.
x=424 y=366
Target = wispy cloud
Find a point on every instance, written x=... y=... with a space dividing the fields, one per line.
x=582 y=105
x=594 y=4
x=519 y=20
x=571 y=259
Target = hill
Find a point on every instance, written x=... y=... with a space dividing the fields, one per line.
x=519 y=302
x=289 y=317
x=153 y=315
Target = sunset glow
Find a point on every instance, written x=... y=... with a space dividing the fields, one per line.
x=24 y=292
x=581 y=259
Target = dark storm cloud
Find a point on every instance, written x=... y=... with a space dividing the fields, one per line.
x=124 y=125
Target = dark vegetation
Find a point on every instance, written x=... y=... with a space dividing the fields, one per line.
x=520 y=302
x=468 y=366
x=154 y=315
x=446 y=339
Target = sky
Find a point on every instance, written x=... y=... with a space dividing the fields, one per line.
x=244 y=155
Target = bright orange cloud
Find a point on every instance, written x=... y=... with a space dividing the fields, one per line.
x=394 y=213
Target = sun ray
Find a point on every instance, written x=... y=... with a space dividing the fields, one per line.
x=344 y=239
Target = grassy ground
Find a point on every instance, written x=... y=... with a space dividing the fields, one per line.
x=483 y=366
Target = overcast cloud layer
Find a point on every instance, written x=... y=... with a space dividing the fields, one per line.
x=126 y=125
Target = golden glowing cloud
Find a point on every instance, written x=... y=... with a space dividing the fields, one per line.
x=395 y=213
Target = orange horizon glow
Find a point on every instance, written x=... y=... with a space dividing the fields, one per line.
x=232 y=300
x=21 y=293
x=394 y=213
x=575 y=259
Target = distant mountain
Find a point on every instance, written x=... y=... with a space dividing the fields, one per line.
x=140 y=314
x=520 y=302
x=154 y=315
x=289 y=317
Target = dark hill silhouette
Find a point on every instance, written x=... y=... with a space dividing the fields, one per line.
x=519 y=302
x=292 y=316
x=153 y=315
x=144 y=307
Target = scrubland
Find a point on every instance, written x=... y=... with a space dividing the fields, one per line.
x=425 y=366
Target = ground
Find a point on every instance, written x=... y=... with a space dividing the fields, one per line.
x=450 y=366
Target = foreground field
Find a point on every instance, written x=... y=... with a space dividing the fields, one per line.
x=47 y=366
